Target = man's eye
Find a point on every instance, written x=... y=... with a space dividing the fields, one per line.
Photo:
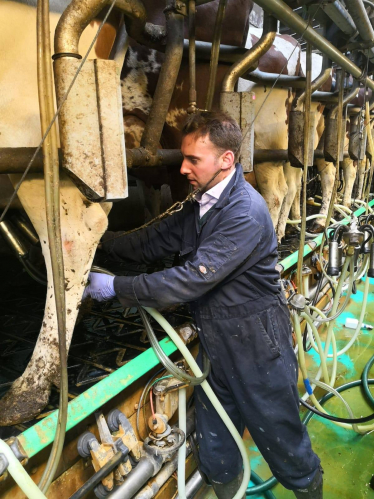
x=194 y=161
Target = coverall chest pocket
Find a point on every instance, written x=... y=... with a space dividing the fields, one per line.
x=267 y=329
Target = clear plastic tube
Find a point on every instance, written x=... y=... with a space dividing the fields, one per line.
x=313 y=330
x=20 y=475
x=335 y=313
x=330 y=389
x=360 y=321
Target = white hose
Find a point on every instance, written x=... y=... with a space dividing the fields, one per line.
x=364 y=203
x=182 y=450
x=20 y=475
x=360 y=321
x=210 y=394
x=311 y=328
x=337 y=394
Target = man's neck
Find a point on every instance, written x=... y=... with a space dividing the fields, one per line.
x=216 y=180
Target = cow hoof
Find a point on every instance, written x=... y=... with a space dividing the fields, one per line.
x=316 y=228
x=22 y=403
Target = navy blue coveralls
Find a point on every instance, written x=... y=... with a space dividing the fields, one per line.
x=227 y=274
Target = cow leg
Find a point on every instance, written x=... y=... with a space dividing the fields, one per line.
x=295 y=208
x=327 y=174
x=82 y=225
x=272 y=186
x=293 y=180
x=349 y=171
x=360 y=179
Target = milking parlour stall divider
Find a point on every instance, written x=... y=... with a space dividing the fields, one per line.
x=109 y=410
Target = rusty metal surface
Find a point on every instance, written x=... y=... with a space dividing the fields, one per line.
x=296 y=138
x=331 y=139
x=79 y=126
x=166 y=80
x=112 y=130
x=240 y=105
x=91 y=128
x=357 y=138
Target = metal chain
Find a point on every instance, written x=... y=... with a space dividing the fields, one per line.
x=178 y=206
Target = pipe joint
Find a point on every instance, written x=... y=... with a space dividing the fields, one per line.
x=4 y=463
x=252 y=56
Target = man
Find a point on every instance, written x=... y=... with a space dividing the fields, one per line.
x=228 y=252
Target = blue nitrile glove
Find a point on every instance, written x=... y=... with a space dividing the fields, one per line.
x=100 y=287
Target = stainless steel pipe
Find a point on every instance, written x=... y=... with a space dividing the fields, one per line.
x=285 y=14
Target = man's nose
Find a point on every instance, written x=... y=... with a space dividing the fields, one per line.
x=184 y=168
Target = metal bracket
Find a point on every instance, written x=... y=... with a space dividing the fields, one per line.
x=18 y=450
x=4 y=463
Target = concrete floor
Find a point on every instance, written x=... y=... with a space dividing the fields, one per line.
x=347 y=458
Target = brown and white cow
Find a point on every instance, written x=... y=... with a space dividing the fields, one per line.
x=82 y=223
x=276 y=180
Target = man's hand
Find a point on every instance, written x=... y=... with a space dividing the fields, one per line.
x=100 y=287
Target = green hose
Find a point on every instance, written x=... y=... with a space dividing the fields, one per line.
x=342 y=388
x=261 y=486
x=365 y=383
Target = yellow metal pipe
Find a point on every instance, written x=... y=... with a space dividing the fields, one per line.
x=52 y=200
x=252 y=56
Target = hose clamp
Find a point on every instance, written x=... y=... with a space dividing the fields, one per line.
x=18 y=450
x=4 y=463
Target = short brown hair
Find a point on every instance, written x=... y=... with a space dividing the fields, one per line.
x=222 y=130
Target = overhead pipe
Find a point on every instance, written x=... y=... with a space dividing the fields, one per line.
x=166 y=80
x=15 y=159
x=341 y=17
x=285 y=14
x=263 y=78
x=361 y=19
x=253 y=55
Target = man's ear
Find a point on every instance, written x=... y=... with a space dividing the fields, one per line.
x=227 y=160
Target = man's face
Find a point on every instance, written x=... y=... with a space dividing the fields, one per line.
x=202 y=160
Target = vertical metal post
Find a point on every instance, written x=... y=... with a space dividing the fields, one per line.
x=192 y=56
x=52 y=201
x=339 y=131
x=307 y=105
x=215 y=53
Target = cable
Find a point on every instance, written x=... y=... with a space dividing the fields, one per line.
x=364 y=379
x=342 y=388
x=333 y=418
x=261 y=486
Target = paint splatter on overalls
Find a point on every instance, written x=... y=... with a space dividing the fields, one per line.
x=227 y=274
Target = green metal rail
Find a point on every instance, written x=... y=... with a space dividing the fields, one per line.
x=39 y=436
x=36 y=438
x=312 y=245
